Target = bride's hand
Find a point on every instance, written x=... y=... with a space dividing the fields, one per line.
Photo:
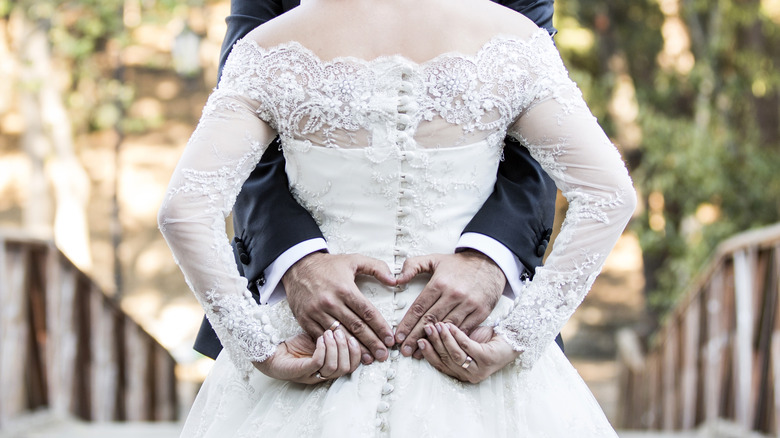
x=299 y=359
x=451 y=352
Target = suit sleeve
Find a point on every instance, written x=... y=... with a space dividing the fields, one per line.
x=519 y=213
x=263 y=230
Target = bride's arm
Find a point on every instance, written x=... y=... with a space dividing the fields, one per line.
x=223 y=150
x=562 y=134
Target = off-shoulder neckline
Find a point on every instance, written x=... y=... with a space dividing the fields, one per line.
x=297 y=46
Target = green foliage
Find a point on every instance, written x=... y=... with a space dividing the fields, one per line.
x=711 y=140
x=87 y=37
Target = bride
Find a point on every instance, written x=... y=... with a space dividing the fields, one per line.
x=392 y=116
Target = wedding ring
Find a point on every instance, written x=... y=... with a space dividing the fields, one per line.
x=467 y=363
x=319 y=376
x=335 y=325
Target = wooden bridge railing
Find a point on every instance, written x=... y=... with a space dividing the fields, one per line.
x=717 y=356
x=66 y=347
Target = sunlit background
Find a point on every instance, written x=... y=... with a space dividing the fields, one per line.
x=98 y=98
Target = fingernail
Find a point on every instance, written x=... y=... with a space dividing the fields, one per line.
x=438 y=327
x=380 y=354
x=428 y=330
x=329 y=333
x=389 y=341
x=353 y=343
x=367 y=359
x=407 y=350
x=421 y=344
x=400 y=337
x=340 y=335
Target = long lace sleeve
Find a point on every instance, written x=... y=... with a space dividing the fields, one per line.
x=562 y=134
x=225 y=147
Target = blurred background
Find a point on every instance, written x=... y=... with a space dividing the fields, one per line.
x=98 y=99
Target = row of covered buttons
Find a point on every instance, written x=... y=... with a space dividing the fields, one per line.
x=387 y=389
x=406 y=104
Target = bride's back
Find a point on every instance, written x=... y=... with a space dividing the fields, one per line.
x=416 y=29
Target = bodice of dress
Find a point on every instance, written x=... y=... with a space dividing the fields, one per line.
x=392 y=158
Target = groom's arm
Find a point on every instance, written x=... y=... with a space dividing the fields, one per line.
x=267 y=220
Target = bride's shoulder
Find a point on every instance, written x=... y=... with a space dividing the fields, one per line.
x=281 y=29
x=505 y=21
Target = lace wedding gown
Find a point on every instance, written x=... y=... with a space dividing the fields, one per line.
x=392 y=158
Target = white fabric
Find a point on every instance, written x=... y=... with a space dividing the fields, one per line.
x=392 y=159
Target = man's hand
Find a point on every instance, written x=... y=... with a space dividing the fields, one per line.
x=321 y=290
x=463 y=290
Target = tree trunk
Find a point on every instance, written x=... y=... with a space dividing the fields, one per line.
x=49 y=143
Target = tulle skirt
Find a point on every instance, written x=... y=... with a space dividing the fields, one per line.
x=402 y=397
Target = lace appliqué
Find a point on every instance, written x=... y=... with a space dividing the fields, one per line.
x=599 y=209
x=191 y=219
x=350 y=102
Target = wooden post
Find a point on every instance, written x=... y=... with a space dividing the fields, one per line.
x=776 y=378
x=776 y=344
x=689 y=365
x=716 y=342
x=166 y=387
x=104 y=371
x=3 y=335
x=743 y=355
x=669 y=372
x=137 y=392
x=13 y=349
x=65 y=338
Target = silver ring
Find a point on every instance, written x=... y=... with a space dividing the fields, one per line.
x=335 y=325
x=467 y=363
x=319 y=376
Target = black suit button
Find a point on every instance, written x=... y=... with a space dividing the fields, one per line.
x=243 y=255
x=540 y=250
x=548 y=233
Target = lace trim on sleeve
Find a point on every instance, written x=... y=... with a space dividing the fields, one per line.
x=224 y=149
x=564 y=137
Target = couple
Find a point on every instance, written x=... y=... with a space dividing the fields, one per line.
x=393 y=147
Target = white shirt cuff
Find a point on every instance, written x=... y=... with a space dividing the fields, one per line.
x=273 y=290
x=505 y=259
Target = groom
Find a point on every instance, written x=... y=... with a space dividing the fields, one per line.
x=281 y=252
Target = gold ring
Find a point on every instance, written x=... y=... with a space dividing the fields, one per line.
x=335 y=325
x=467 y=363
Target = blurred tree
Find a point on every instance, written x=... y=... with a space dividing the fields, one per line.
x=695 y=106
x=69 y=76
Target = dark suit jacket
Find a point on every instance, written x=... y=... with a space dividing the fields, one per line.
x=267 y=220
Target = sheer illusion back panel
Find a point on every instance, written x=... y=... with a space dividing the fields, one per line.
x=448 y=101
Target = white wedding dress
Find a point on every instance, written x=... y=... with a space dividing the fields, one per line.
x=392 y=158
